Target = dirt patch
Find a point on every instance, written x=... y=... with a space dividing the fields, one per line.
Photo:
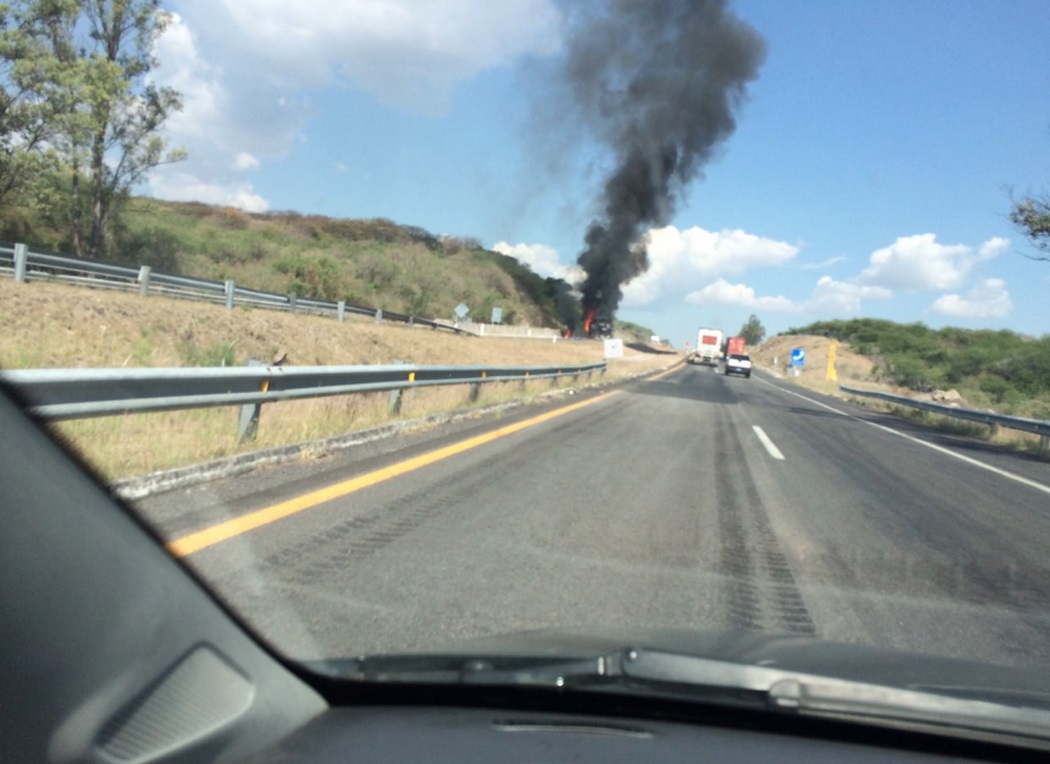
x=853 y=369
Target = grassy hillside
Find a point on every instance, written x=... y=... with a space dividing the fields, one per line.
x=375 y=263
x=999 y=369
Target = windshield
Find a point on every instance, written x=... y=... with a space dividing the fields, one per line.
x=410 y=326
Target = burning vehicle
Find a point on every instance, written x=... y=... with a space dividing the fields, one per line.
x=597 y=325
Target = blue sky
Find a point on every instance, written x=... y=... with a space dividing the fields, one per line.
x=870 y=174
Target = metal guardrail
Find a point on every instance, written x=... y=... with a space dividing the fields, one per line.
x=81 y=393
x=24 y=265
x=1036 y=426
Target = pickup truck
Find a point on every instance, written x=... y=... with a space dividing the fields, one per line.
x=738 y=363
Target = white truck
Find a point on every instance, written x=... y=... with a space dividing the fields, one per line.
x=708 y=347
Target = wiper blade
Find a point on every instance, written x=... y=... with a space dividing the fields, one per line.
x=686 y=677
x=832 y=698
x=910 y=709
x=541 y=671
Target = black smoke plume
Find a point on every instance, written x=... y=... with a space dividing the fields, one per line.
x=659 y=82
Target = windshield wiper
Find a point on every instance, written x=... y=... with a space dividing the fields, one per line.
x=814 y=695
x=686 y=677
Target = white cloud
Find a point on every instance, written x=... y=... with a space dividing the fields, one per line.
x=208 y=125
x=245 y=69
x=842 y=298
x=245 y=161
x=184 y=68
x=407 y=52
x=919 y=263
x=680 y=259
x=830 y=298
x=988 y=299
x=721 y=292
x=185 y=187
x=992 y=248
x=823 y=263
x=542 y=259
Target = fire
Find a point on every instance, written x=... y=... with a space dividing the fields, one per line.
x=588 y=319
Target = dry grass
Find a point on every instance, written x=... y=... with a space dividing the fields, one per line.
x=51 y=325
x=54 y=325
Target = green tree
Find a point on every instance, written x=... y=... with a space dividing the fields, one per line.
x=1031 y=215
x=78 y=107
x=752 y=331
x=28 y=124
x=126 y=111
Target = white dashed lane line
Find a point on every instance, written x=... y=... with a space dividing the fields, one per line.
x=770 y=446
x=939 y=449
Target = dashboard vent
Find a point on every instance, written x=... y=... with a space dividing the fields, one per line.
x=201 y=693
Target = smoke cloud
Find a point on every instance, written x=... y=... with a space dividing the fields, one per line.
x=659 y=82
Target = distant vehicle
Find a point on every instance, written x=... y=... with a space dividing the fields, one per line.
x=708 y=347
x=738 y=363
x=735 y=346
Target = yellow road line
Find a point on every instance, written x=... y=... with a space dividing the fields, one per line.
x=194 y=542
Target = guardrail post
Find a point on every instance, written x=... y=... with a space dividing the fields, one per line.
x=397 y=397
x=1044 y=443
x=248 y=422
x=293 y=298
x=144 y=273
x=475 y=388
x=21 y=255
x=555 y=378
x=379 y=317
x=341 y=310
x=229 y=288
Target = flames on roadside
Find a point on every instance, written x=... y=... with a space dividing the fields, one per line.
x=588 y=319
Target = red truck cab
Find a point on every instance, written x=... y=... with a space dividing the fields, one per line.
x=735 y=346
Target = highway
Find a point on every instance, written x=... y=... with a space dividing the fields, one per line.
x=692 y=500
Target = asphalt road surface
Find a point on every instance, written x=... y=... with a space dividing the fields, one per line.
x=693 y=500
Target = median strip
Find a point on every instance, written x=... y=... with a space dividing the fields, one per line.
x=194 y=542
